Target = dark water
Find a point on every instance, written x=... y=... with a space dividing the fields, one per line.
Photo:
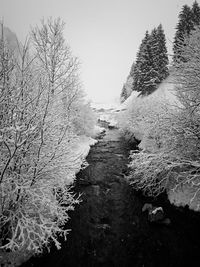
x=109 y=228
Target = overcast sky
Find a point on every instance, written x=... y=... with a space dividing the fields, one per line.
x=104 y=34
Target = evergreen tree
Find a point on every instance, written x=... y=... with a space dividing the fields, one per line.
x=183 y=28
x=151 y=64
x=132 y=70
x=195 y=14
x=162 y=57
x=149 y=74
x=138 y=72
x=123 y=95
x=154 y=55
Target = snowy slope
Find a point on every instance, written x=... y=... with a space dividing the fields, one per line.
x=164 y=91
x=137 y=114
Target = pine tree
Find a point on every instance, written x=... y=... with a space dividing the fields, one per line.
x=183 y=28
x=149 y=72
x=123 y=95
x=154 y=55
x=162 y=58
x=195 y=14
x=140 y=65
x=151 y=64
x=132 y=70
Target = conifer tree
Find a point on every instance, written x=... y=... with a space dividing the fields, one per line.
x=132 y=70
x=123 y=95
x=152 y=60
x=195 y=14
x=140 y=64
x=149 y=74
x=154 y=54
x=183 y=29
x=162 y=57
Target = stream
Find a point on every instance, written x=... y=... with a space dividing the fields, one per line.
x=109 y=227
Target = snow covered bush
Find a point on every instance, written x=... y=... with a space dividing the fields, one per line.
x=170 y=145
x=140 y=115
x=38 y=95
x=84 y=118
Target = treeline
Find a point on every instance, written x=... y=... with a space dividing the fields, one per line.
x=152 y=65
x=42 y=112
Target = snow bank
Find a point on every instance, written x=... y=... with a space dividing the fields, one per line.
x=185 y=194
x=110 y=118
x=164 y=92
x=79 y=151
x=128 y=101
x=139 y=113
x=97 y=131
x=106 y=106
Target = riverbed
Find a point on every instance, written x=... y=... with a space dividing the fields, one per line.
x=108 y=228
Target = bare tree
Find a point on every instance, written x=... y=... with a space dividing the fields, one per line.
x=35 y=196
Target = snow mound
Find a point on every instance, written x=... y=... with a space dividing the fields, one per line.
x=97 y=131
x=129 y=100
x=79 y=151
x=164 y=91
x=185 y=194
x=139 y=113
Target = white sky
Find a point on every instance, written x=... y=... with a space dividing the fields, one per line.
x=104 y=34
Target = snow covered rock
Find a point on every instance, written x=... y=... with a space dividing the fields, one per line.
x=156 y=214
x=147 y=207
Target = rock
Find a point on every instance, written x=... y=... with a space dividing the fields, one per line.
x=166 y=221
x=156 y=214
x=96 y=190
x=84 y=182
x=136 y=221
x=147 y=207
x=103 y=226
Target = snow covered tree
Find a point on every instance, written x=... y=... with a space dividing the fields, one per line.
x=189 y=18
x=132 y=70
x=40 y=104
x=195 y=14
x=151 y=64
x=128 y=85
x=143 y=65
x=35 y=196
x=162 y=57
x=123 y=95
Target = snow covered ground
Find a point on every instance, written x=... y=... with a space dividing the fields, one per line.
x=107 y=112
x=138 y=113
x=79 y=150
x=97 y=131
